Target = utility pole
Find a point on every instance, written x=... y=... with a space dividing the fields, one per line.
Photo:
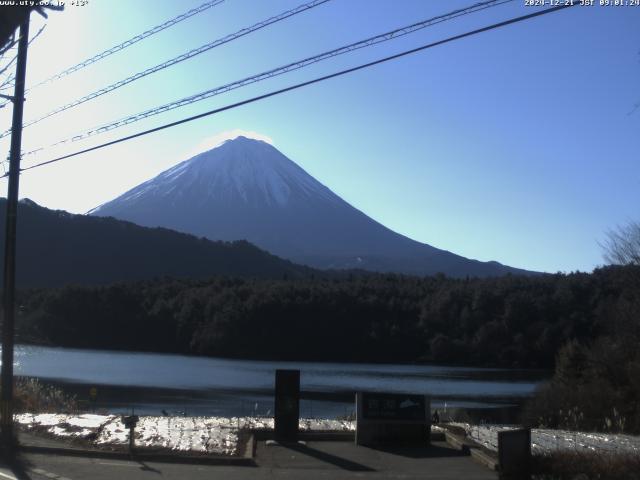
x=9 y=291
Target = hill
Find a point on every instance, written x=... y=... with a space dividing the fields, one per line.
x=57 y=248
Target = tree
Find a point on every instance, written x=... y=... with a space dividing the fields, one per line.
x=622 y=246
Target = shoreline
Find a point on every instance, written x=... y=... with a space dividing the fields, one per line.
x=203 y=435
x=224 y=435
x=151 y=383
x=240 y=402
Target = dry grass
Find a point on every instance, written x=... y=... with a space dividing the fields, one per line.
x=586 y=466
x=35 y=397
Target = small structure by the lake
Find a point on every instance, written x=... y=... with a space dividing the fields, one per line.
x=391 y=418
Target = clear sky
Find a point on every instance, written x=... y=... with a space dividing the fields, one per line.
x=516 y=145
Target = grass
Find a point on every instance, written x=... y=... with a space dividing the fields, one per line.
x=30 y=395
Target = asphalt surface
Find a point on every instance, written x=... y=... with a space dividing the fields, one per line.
x=315 y=460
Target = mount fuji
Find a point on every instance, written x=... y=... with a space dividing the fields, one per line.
x=246 y=189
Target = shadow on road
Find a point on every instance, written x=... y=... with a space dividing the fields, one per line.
x=19 y=467
x=432 y=451
x=328 y=458
x=146 y=468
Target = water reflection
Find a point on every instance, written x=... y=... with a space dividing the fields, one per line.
x=152 y=382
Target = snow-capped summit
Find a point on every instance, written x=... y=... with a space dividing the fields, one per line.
x=251 y=170
x=247 y=189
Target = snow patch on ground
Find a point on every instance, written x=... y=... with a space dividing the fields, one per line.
x=187 y=434
x=62 y=425
x=547 y=440
x=219 y=435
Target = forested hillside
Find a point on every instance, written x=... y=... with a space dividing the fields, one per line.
x=57 y=248
x=508 y=321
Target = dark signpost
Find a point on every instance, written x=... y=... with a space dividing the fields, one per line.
x=130 y=422
x=392 y=418
x=287 y=405
x=514 y=453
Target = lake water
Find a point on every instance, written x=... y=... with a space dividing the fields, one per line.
x=152 y=382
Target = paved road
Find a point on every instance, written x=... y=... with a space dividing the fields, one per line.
x=316 y=460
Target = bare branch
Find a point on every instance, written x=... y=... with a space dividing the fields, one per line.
x=37 y=34
x=7 y=82
x=622 y=246
x=10 y=43
x=9 y=63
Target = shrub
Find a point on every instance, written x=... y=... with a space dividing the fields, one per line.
x=30 y=395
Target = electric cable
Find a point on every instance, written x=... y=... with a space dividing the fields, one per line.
x=304 y=84
x=127 y=43
x=384 y=37
x=185 y=56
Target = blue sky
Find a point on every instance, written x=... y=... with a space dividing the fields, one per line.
x=516 y=145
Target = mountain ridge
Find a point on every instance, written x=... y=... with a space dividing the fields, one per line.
x=57 y=248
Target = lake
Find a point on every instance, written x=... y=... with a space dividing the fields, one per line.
x=151 y=382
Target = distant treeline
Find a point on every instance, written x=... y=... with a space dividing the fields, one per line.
x=509 y=321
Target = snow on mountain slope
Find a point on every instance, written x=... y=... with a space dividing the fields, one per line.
x=247 y=169
x=247 y=189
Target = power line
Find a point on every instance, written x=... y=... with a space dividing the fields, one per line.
x=384 y=37
x=185 y=56
x=127 y=43
x=304 y=84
